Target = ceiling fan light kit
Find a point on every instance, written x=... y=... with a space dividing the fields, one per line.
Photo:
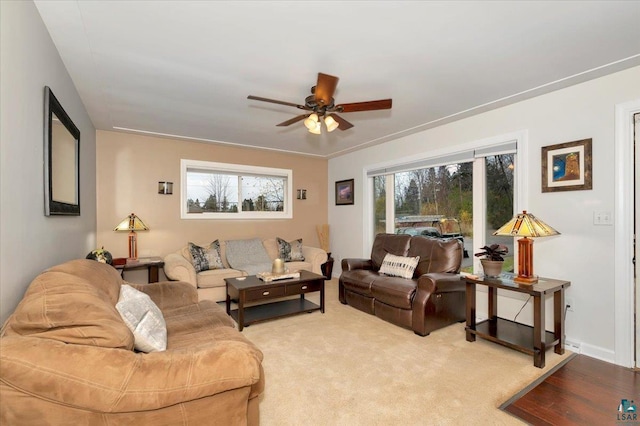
x=322 y=105
x=330 y=123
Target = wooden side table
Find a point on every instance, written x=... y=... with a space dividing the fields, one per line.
x=152 y=264
x=530 y=340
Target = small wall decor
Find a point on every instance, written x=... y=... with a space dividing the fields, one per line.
x=344 y=192
x=567 y=166
x=302 y=194
x=165 y=188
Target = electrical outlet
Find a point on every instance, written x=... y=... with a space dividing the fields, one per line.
x=569 y=303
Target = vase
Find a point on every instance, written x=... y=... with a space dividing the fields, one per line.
x=492 y=268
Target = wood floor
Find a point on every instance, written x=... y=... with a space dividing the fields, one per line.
x=583 y=391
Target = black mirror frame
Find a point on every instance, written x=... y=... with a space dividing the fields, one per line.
x=52 y=207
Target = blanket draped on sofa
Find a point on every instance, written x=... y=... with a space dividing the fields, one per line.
x=248 y=255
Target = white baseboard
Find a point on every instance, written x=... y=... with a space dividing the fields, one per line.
x=590 y=350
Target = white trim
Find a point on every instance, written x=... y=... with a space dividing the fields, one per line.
x=479 y=209
x=241 y=169
x=623 y=275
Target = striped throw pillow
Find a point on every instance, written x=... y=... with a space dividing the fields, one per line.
x=399 y=266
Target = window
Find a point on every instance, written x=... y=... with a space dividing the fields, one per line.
x=232 y=191
x=499 y=201
x=379 y=204
x=464 y=195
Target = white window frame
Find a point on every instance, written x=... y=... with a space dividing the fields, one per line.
x=236 y=169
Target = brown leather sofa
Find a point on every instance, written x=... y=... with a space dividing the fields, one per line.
x=66 y=357
x=434 y=298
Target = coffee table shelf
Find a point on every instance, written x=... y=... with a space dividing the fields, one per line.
x=274 y=310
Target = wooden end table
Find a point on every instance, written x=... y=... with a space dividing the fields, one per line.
x=530 y=340
x=252 y=289
x=152 y=264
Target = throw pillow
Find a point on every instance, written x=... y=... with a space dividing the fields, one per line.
x=290 y=252
x=144 y=319
x=399 y=266
x=205 y=258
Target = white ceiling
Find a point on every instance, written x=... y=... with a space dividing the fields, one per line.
x=185 y=68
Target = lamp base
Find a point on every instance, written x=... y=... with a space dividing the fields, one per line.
x=525 y=280
x=133 y=245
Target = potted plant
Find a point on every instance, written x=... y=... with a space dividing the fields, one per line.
x=492 y=260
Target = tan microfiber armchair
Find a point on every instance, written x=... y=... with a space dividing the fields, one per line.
x=66 y=357
x=432 y=299
x=211 y=284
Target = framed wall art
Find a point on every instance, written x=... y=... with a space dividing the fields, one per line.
x=567 y=166
x=61 y=160
x=344 y=192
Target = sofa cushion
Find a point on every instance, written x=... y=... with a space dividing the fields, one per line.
x=104 y=279
x=436 y=255
x=290 y=251
x=399 y=266
x=143 y=318
x=215 y=277
x=359 y=280
x=298 y=266
x=394 y=291
x=205 y=258
x=44 y=310
x=397 y=244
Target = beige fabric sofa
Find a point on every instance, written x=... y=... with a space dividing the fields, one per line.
x=211 y=284
x=66 y=357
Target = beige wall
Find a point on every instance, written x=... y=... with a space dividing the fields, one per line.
x=130 y=166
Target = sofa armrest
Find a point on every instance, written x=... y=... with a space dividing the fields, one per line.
x=117 y=380
x=352 y=264
x=177 y=268
x=169 y=294
x=428 y=285
x=316 y=256
x=445 y=282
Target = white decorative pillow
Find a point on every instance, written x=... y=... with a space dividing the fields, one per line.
x=144 y=319
x=290 y=252
x=399 y=266
x=205 y=258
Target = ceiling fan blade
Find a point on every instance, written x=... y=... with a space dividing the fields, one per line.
x=325 y=88
x=342 y=123
x=364 y=106
x=293 y=120
x=273 y=101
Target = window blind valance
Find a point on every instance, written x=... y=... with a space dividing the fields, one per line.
x=509 y=147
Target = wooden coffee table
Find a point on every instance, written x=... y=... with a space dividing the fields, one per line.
x=252 y=290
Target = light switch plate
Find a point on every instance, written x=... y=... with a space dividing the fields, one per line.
x=602 y=218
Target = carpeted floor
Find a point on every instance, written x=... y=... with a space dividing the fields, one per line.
x=346 y=367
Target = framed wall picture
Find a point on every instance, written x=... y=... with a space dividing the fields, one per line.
x=344 y=192
x=567 y=166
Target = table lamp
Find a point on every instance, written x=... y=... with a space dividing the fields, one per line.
x=525 y=225
x=132 y=223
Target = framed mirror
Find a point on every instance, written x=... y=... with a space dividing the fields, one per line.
x=61 y=160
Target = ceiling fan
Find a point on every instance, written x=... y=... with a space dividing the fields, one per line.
x=322 y=106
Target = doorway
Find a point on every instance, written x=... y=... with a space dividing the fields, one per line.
x=627 y=218
x=636 y=226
